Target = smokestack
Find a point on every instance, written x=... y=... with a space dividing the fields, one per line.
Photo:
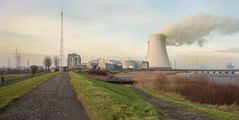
x=157 y=53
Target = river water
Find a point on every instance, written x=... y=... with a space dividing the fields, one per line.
x=217 y=78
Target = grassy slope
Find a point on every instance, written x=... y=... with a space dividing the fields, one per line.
x=12 y=92
x=213 y=112
x=106 y=101
x=12 y=76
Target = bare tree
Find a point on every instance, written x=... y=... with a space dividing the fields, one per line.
x=47 y=62
x=56 y=62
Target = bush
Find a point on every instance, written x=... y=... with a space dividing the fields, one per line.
x=98 y=72
x=34 y=69
x=199 y=89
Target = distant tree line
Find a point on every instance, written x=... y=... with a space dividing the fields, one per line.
x=47 y=62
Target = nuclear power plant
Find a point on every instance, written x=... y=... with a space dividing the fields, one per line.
x=157 y=54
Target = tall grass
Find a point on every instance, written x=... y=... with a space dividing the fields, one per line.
x=199 y=89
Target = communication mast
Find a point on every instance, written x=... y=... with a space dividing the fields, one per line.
x=62 y=42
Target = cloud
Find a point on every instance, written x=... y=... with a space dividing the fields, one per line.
x=15 y=35
x=40 y=33
x=194 y=29
x=229 y=50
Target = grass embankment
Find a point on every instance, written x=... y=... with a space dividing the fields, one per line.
x=10 y=93
x=105 y=101
x=206 y=109
x=13 y=76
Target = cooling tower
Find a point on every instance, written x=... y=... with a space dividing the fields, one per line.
x=157 y=53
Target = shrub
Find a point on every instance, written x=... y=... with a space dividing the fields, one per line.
x=199 y=89
x=34 y=69
x=98 y=72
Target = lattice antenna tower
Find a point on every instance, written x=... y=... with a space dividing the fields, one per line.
x=62 y=40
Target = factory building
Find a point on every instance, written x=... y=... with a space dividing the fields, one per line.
x=109 y=64
x=104 y=64
x=92 y=63
x=135 y=65
x=74 y=61
x=144 y=65
x=129 y=64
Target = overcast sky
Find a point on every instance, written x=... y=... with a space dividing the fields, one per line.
x=112 y=29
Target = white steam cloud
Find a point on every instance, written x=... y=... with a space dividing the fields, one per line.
x=194 y=29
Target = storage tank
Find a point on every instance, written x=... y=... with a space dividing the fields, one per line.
x=157 y=54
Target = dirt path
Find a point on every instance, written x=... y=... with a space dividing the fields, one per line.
x=173 y=111
x=54 y=100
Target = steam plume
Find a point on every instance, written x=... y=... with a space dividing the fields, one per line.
x=194 y=29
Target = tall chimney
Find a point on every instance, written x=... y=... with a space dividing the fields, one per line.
x=157 y=53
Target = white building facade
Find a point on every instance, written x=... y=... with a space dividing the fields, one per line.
x=73 y=61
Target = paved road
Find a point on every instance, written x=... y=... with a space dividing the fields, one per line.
x=172 y=111
x=54 y=100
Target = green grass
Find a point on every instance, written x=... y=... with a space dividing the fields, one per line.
x=213 y=112
x=10 y=93
x=105 y=101
x=12 y=76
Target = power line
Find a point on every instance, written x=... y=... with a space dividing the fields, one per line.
x=28 y=62
x=9 y=62
x=18 y=59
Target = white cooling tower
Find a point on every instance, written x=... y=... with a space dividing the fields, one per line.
x=157 y=54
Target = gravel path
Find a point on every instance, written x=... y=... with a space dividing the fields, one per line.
x=54 y=100
x=172 y=111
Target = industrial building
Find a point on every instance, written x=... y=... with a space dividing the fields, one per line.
x=92 y=63
x=135 y=65
x=104 y=64
x=110 y=64
x=74 y=61
x=129 y=64
x=157 y=54
x=144 y=65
